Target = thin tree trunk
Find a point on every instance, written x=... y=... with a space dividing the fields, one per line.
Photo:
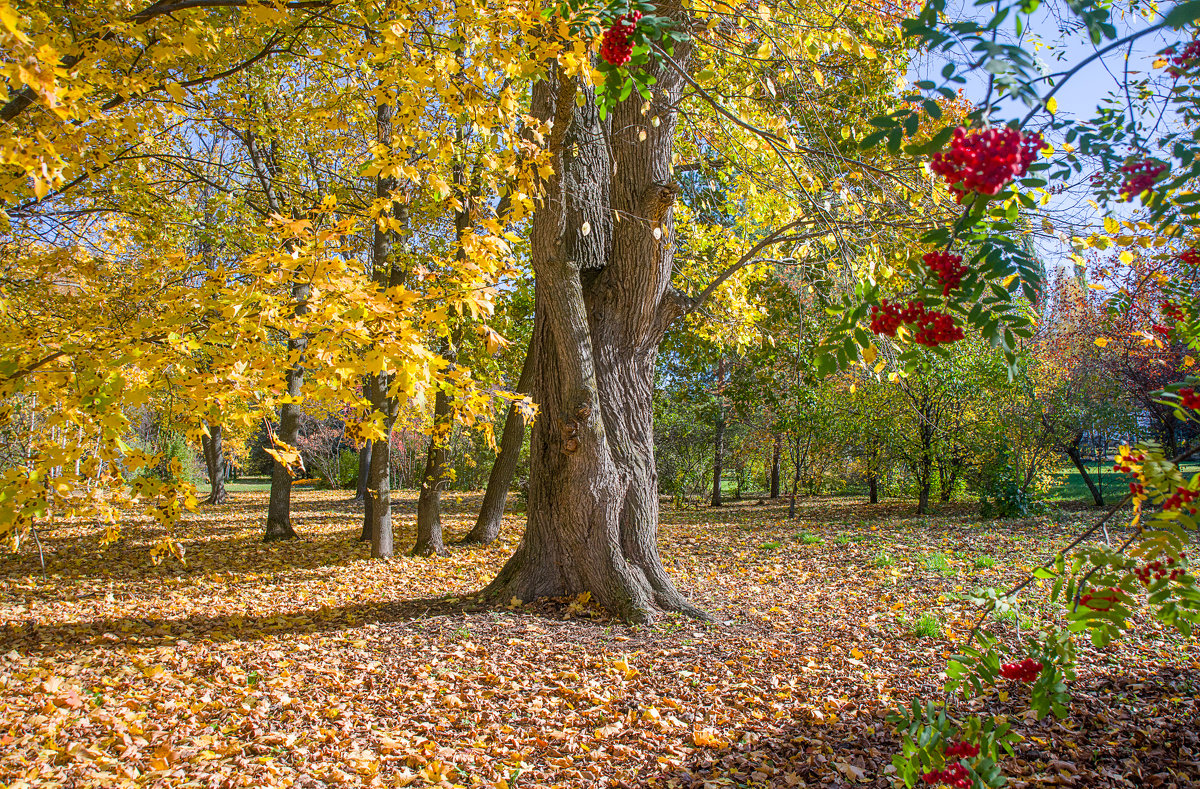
x=364 y=467
x=795 y=480
x=873 y=486
x=491 y=512
x=719 y=437
x=1072 y=450
x=775 y=455
x=214 y=461
x=429 y=503
x=602 y=304
x=377 y=514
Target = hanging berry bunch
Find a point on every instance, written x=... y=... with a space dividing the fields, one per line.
x=1159 y=571
x=985 y=161
x=615 y=47
x=1140 y=177
x=948 y=268
x=1183 y=60
x=1189 y=399
x=1103 y=600
x=1026 y=670
x=1190 y=258
x=955 y=775
x=632 y=36
x=929 y=328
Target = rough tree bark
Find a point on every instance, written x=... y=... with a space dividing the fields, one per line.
x=719 y=437
x=873 y=486
x=491 y=513
x=377 y=504
x=602 y=304
x=214 y=461
x=430 y=541
x=775 y=457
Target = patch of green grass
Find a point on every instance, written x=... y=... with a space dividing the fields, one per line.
x=928 y=626
x=1005 y=616
x=842 y=539
x=770 y=546
x=984 y=562
x=861 y=537
x=883 y=559
x=808 y=538
x=939 y=563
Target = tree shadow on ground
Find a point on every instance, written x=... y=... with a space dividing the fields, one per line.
x=140 y=633
x=1129 y=730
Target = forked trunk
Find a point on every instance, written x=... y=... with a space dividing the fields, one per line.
x=214 y=462
x=602 y=303
x=491 y=512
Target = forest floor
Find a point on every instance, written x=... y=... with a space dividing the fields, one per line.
x=307 y=664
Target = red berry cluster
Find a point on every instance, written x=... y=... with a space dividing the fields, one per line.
x=1126 y=458
x=1181 y=61
x=1190 y=258
x=1189 y=399
x=1137 y=489
x=948 y=267
x=932 y=328
x=986 y=161
x=963 y=750
x=955 y=775
x=1140 y=176
x=1173 y=311
x=615 y=47
x=1025 y=671
x=1159 y=571
x=1101 y=602
x=1182 y=499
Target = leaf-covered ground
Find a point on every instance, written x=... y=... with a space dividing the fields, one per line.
x=307 y=664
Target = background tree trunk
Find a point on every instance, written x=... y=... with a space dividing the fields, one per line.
x=429 y=504
x=491 y=512
x=364 y=466
x=776 y=453
x=279 y=509
x=214 y=462
x=719 y=437
x=602 y=303
x=1072 y=450
x=377 y=509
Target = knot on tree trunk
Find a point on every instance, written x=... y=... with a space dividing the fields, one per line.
x=569 y=428
x=657 y=200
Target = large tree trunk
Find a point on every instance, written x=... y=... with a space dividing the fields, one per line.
x=719 y=437
x=873 y=486
x=279 y=509
x=377 y=512
x=491 y=512
x=377 y=504
x=602 y=304
x=214 y=462
x=775 y=459
x=429 y=504
x=1072 y=450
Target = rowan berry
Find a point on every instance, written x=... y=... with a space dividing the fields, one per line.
x=1189 y=399
x=1025 y=671
x=987 y=160
x=615 y=47
x=948 y=268
x=1140 y=176
x=1182 y=61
